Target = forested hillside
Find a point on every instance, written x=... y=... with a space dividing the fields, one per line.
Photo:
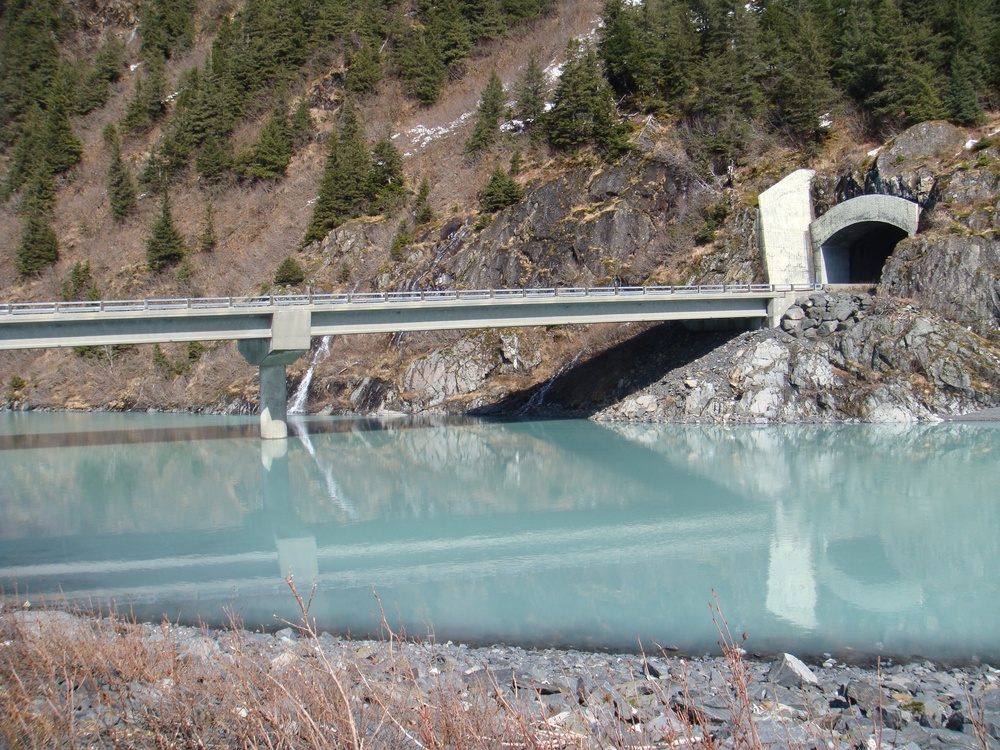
x=186 y=147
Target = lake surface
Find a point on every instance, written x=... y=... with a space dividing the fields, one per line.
x=854 y=540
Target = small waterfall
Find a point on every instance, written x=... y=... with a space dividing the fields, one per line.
x=298 y=402
x=538 y=397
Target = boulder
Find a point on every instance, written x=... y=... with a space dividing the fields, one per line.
x=790 y=671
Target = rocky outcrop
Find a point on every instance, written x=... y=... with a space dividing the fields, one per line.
x=838 y=357
x=623 y=223
x=904 y=167
x=445 y=379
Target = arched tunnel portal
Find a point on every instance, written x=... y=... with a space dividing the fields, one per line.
x=853 y=240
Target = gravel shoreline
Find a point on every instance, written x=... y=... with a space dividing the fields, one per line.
x=566 y=698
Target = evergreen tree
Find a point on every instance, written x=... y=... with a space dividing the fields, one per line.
x=121 y=190
x=677 y=54
x=491 y=106
x=387 y=184
x=80 y=284
x=345 y=186
x=29 y=59
x=364 y=65
x=61 y=148
x=730 y=68
x=215 y=159
x=96 y=85
x=449 y=31
x=147 y=103
x=273 y=150
x=486 y=18
x=302 y=123
x=39 y=247
x=289 y=273
x=166 y=27
x=501 y=190
x=962 y=99
x=207 y=240
x=803 y=92
x=39 y=195
x=584 y=110
x=627 y=47
x=28 y=154
x=907 y=88
x=421 y=66
x=165 y=246
x=422 y=211
x=531 y=91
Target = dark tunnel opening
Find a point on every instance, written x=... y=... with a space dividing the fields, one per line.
x=858 y=253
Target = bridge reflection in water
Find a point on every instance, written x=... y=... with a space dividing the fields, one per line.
x=566 y=533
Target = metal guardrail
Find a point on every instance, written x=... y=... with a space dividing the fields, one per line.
x=415 y=297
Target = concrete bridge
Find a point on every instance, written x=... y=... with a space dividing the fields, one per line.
x=273 y=331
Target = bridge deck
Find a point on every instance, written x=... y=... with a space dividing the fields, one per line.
x=30 y=325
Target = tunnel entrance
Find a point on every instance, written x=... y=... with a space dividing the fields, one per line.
x=857 y=253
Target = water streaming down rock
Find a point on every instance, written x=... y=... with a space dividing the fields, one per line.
x=298 y=402
x=537 y=399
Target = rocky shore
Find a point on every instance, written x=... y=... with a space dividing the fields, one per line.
x=71 y=680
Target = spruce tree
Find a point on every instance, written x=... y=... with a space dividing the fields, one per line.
x=29 y=59
x=121 y=190
x=501 y=190
x=449 y=31
x=61 y=148
x=422 y=211
x=387 y=183
x=364 y=65
x=147 y=102
x=531 y=91
x=803 y=92
x=584 y=109
x=568 y=123
x=421 y=66
x=908 y=89
x=677 y=54
x=302 y=123
x=627 y=48
x=215 y=159
x=96 y=85
x=345 y=186
x=165 y=246
x=207 y=240
x=491 y=106
x=38 y=247
x=273 y=150
x=289 y=273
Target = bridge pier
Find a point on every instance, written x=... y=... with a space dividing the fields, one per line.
x=289 y=340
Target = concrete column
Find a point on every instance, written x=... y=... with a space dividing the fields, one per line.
x=777 y=307
x=289 y=341
x=273 y=402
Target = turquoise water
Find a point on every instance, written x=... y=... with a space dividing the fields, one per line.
x=854 y=540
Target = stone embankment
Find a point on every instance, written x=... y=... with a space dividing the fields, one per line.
x=836 y=357
x=550 y=697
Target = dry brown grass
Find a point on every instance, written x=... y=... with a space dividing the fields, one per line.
x=107 y=681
